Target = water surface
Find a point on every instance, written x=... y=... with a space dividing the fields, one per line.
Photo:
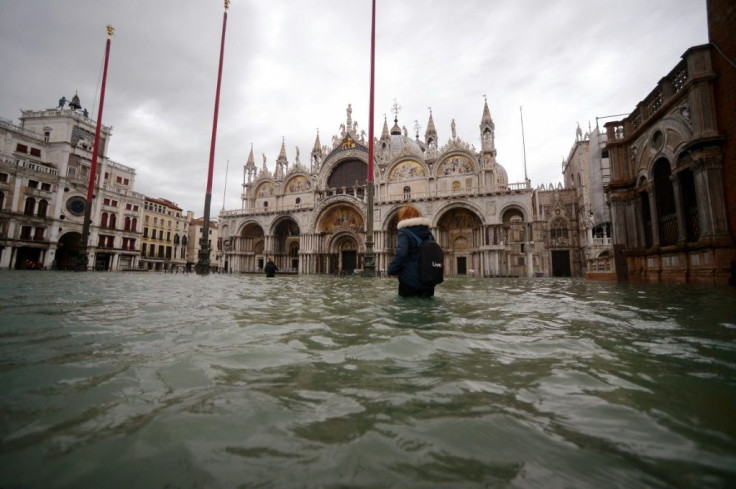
x=225 y=381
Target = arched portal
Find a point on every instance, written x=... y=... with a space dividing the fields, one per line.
x=345 y=249
x=460 y=233
x=247 y=249
x=286 y=237
x=70 y=246
x=341 y=237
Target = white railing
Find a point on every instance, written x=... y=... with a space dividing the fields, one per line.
x=6 y=124
x=123 y=191
x=601 y=241
x=12 y=161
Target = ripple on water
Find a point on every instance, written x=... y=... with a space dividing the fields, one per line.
x=159 y=380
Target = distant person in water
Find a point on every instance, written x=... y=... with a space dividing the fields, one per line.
x=271 y=268
x=406 y=258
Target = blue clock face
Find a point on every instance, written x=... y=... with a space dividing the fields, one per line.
x=75 y=206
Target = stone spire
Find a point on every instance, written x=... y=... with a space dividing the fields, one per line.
x=282 y=163
x=315 y=157
x=384 y=133
x=430 y=135
x=250 y=166
x=487 y=131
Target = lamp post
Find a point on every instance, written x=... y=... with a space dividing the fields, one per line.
x=203 y=263
x=369 y=263
x=83 y=258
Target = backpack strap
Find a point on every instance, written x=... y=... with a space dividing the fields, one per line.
x=419 y=240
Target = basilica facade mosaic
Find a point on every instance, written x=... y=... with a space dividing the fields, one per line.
x=311 y=217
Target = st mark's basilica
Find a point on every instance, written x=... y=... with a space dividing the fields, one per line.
x=311 y=216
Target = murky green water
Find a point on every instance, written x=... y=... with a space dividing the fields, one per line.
x=152 y=381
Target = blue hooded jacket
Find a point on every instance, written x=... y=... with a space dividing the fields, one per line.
x=406 y=258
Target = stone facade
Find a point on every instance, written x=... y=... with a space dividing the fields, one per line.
x=312 y=217
x=667 y=190
x=165 y=236
x=44 y=175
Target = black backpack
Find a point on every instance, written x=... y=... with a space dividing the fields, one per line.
x=431 y=261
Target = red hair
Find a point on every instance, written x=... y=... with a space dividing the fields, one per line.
x=408 y=212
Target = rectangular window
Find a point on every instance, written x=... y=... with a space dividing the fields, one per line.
x=126 y=181
x=119 y=180
x=4 y=177
x=36 y=152
x=21 y=148
x=106 y=201
x=114 y=203
x=107 y=175
x=143 y=249
x=145 y=232
x=38 y=234
x=46 y=187
x=135 y=208
x=32 y=184
x=25 y=232
x=161 y=234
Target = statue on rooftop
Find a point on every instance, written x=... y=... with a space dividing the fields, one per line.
x=62 y=101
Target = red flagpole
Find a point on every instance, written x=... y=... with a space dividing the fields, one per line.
x=369 y=264
x=82 y=258
x=371 y=108
x=203 y=263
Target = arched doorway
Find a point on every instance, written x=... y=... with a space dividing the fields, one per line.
x=248 y=252
x=665 y=200
x=459 y=230
x=340 y=228
x=345 y=249
x=68 y=250
x=286 y=238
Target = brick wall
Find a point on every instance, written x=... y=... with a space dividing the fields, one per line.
x=721 y=22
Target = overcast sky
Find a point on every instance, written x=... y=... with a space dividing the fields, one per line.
x=292 y=66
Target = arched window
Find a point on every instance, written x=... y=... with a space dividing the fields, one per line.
x=646 y=219
x=407 y=192
x=30 y=206
x=558 y=229
x=103 y=220
x=665 y=198
x=112 y=221
x=347 y=174
x=689 y=205
x=126 y=226
x=184 y=240
x=134 y=224
x=43 y=208
x=176 y=239
x=2 y=200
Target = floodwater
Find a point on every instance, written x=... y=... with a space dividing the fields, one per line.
x=143 y=380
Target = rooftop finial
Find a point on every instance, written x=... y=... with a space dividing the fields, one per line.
x=396 y=108
x=110 y=30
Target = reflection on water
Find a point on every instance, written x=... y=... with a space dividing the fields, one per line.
x=149 y=380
